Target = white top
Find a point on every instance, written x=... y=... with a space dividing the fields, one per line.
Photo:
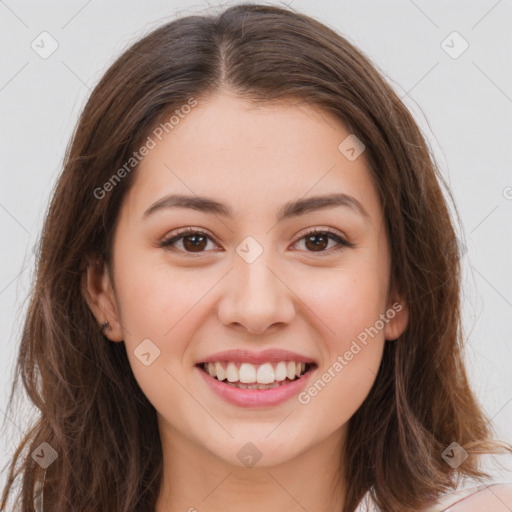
x=499 y=496
x=447 y=501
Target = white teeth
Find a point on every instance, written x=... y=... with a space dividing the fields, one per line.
x=268 y=386
x=247 y=373
x=218 y=370
x=280 y=371
x=265 y=374
x=290 y=370
x=232 y=373
x=252 y=376
x=254 y=386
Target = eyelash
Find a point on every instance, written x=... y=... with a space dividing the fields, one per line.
x=184 y=232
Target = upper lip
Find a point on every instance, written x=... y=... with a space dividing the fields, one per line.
x=271 y=355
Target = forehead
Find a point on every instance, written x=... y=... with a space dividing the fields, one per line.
x=252 y=157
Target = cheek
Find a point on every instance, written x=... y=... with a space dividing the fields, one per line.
x=157 y=299
x=348 y=312
x=338 y=390
x=159 y=311
x=344 y=302
x=155 y=307
x=347 y=306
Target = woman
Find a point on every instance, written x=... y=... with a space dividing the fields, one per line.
x=241 y=299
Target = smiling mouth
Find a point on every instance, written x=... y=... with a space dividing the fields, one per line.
x=249 y=376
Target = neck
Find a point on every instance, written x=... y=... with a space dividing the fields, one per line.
x=197 y=480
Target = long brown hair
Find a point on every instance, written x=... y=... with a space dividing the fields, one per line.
x=91 y=410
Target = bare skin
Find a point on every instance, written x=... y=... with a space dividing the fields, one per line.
x=310 y=298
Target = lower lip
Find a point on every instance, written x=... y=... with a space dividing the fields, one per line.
x=256 y=397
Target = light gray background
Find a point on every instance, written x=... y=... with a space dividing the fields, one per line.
x=463 y=106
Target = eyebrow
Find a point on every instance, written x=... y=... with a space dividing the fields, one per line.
x=288 y=210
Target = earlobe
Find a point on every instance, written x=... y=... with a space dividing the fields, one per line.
x=398 y=315
x=98 y=293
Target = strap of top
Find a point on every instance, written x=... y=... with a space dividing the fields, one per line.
x=452 y=498
x=440 y=505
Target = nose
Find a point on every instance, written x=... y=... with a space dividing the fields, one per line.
x=256 y=297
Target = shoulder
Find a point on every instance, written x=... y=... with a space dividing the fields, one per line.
x=496 y=497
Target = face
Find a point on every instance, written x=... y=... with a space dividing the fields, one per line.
x=263 y=268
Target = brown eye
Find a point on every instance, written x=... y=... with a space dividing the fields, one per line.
x=318 y=241
x=192 y=242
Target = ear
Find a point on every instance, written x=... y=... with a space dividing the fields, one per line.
x=99 y=294
x=398 y=314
